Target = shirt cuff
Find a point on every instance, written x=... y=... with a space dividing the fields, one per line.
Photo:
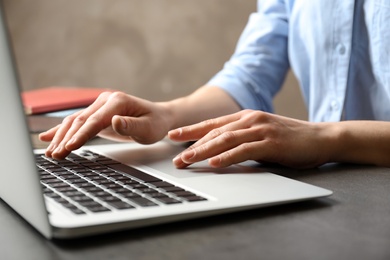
x=241 y=92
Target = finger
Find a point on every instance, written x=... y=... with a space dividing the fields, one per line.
x=197 y=131
x=53 y=135
x=134 y=128
x=240 y=153
x=110 y=134
x=178 y=162
x=48 y=135
x=235 y=125
x=70 y=126
x=87 y=126
x=225 y=142
x=228 y=127
x=57 y=136
x=116 y=103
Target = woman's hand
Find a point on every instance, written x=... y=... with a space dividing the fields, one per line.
x=115 y=116
x=255 y=135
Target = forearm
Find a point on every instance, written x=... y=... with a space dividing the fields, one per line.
x=363 y=142
x=205 y=103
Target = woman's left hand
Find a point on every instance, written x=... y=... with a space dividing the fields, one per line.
x=255 y=135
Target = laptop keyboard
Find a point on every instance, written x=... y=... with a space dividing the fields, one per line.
x=94 y=183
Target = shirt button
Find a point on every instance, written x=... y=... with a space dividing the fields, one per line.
x=341 y=48
x=334 y=105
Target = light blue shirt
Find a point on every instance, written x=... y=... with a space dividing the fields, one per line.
x=339 y=50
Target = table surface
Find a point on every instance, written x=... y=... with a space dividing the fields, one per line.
x=353 y=223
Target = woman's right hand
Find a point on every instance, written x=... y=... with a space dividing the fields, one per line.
x=114 y=115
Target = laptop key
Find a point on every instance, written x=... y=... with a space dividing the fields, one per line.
x=172 y=188
x=110 y=198
x=194 y=198
x=168 y=200
x=161 y=184
x=52 y=195
x=134 y=172
x=183 y=193
x=77 y=211
x=143 y=202
x=98 y=209
x=120 y=205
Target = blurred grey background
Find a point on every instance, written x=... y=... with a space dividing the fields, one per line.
x=157 y=50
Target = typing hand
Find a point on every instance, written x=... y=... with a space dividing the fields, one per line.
x=115 y=116
x=253 y=135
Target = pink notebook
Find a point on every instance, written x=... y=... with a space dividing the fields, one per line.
x=51 y=99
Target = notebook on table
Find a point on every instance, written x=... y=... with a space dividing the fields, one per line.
x=104 y=188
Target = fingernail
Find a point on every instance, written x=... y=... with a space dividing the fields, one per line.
x=123 y=123
x=176 y=160
x=215 y=162
x=71 y=144
x=57 y=150
x=187 y=156
x=49 y=150
x=176 y=132
x=51 y=147
x=71 y=141
x=179 y=131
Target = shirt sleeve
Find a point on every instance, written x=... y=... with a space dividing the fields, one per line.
x=257 y=69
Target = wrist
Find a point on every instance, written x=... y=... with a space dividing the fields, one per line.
x=332 y=136
x=199 y=106
x=171 y=112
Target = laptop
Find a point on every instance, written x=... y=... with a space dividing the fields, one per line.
x=111 y=187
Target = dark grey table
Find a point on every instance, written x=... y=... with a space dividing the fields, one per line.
x=354 y=223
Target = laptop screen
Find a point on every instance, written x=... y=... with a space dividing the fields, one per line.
x=19 y=181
